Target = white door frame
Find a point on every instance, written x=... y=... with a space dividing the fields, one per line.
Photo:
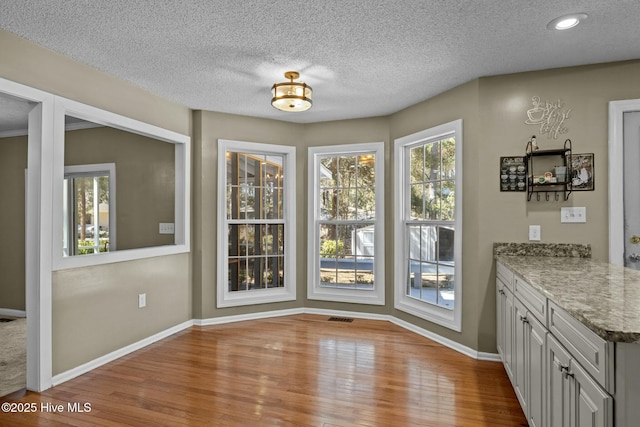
x=616 y=176
x=38 y=260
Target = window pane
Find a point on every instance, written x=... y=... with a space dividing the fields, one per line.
x=328 y=204
x=366 y=203
x=346 y=176
x=273 y=276
x=238 y=274
x=328 y=172
x=416 y=164
x=363 y=240
x=366 y=170
x=432 y=200
x=234 y=240
x=328 y=271
x=417 y=201
x=248 y=167
x=428 y=243
x=448 y=200
x=270 y=235
x=445 y=244
x=448 y=147
x=432 y=161
x=346 y=204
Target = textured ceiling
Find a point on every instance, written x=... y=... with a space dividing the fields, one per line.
x=362 y=58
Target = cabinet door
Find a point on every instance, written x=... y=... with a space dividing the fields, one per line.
x=536 y=355
x=520 y=330
x=500 y=320
x=558 y=403
x=504 y=322
x=508 y=333
x=592 y=407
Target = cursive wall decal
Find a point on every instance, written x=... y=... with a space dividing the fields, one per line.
x=550 y=116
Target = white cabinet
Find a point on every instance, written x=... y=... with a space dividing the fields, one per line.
x=558 y=395
x=504 y=320
x=574 y=399
x=592 y=352
x=560 y=370
x=529 y=363
x=521 y=343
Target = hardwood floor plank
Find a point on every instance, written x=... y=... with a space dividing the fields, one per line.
x=290 y=371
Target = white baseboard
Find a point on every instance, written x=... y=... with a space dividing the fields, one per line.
x=341 y=313
x=95 y=363
x=243 y=317
x=489 y=357
x=413 y=328
x=12 y=313
x=357 y=315
x=82 y=369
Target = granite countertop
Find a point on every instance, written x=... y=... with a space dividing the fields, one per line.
x=605 y=297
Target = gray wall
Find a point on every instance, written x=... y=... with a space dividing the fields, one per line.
x=94 y=308
x=13 y=162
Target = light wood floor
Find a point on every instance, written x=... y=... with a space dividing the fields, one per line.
x=289 y=371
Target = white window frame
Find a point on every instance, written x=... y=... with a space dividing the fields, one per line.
x=376 y=296
x=449 y=318
x=225 y=298
x=65 y=107
x=108 y=169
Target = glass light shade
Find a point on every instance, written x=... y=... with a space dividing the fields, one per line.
x=291 y=96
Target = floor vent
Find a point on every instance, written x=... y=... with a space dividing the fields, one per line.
x=340 y=319
x=6 y=320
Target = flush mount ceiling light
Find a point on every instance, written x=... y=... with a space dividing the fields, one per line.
x=567 y=21
x=291 y=96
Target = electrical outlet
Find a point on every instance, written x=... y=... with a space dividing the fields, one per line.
x=573 y=214
x=534 y=232
x=142 y=300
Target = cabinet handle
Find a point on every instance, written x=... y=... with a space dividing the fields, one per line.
x=524 y=319
x=565 y=371
x=501 y=292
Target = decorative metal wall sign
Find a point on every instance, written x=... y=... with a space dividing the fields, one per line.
x=582 y=172
x=550 y=116
x=513 y=174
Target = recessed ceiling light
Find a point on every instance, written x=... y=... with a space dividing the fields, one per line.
x=567 y=21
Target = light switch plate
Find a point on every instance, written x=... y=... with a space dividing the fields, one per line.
x=534 y=232
x=167 y=228
x=573 y=214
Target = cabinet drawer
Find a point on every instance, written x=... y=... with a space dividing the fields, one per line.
x=535 y=302
x=592 y=352
x=505 y=275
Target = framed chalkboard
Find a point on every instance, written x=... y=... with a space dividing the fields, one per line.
x=513 y=174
